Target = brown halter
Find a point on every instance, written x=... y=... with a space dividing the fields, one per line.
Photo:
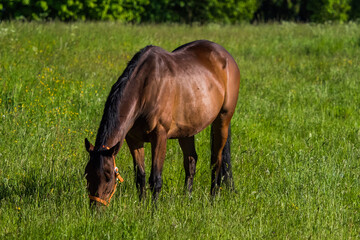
x=118 y=179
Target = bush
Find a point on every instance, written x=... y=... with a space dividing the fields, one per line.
x=230 y=11
x=329 y=10
x=270 y=10
x=70 y=10
x=205 y=11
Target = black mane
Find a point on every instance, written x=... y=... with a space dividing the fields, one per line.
x=110 y=117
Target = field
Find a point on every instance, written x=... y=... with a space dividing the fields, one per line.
x=295 y=135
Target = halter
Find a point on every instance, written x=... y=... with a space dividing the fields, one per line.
x=118 y=179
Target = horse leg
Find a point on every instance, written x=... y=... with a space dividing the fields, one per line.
x=158 y=150
x=226 y=168
x=190 y=158
x=137 y=152
x=219 y=136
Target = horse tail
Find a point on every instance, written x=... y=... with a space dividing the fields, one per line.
x=226 y=169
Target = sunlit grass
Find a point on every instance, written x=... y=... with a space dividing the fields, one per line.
x=295 y=149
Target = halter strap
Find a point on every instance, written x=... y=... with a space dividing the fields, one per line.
x=118 y=179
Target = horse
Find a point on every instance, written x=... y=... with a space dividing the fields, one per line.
x=166 y=95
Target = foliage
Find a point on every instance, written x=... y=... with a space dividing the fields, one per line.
x=180 y=11
x=305 y=10
x=69 y=10
x=329 y=10
x=230 y=11
x=295 y=142
x=279 y=10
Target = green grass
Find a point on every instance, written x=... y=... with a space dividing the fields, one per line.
x=295 y=148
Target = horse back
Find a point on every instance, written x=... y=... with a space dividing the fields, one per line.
x=185 y=90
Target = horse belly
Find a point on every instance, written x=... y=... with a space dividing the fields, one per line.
x=193 y=114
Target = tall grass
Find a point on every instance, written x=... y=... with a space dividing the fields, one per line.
x=295 y=147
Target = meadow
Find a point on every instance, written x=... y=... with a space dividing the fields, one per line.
x=295 y=134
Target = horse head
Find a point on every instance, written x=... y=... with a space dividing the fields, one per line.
x=101 y=173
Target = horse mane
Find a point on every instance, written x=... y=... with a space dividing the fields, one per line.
x=110 y=118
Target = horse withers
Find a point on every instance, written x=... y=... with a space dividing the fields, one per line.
x=163 y=95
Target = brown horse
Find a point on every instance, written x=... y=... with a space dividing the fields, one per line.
x=163 y=95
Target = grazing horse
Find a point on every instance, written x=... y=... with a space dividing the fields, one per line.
x=163 y=95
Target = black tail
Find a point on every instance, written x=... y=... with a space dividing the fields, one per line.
x=226 y=170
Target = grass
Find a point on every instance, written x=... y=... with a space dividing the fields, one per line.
x=295 y=148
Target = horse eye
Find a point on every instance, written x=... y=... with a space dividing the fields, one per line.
x=107 y=176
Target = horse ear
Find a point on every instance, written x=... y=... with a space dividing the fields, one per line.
x=89 y=147
x=115 y=149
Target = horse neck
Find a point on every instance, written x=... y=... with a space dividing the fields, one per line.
x=115 y=130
